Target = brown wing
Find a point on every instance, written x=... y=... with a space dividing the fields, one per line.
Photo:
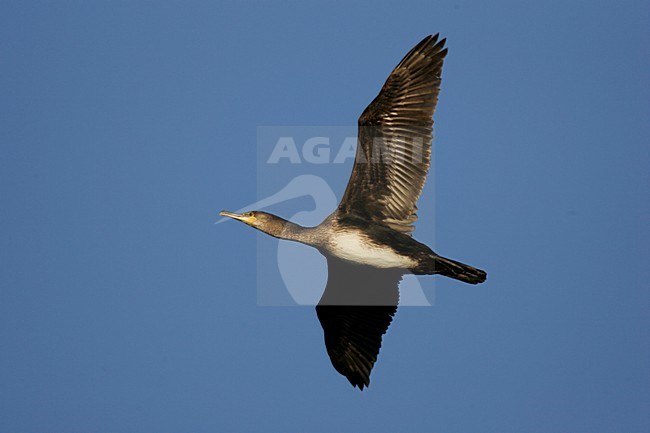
x=394 y=145
x=355 y=311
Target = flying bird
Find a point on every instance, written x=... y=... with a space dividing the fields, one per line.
x=367 y=240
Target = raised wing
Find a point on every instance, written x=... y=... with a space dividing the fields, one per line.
x=355 y=311
x=394 y=145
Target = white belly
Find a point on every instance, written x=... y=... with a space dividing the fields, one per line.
x=356 y=248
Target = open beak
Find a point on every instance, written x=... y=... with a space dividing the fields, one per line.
x=238 y=217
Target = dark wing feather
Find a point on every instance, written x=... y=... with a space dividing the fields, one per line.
x=356 y=309
x=394 y=145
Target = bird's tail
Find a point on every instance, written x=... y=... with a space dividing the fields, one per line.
x=452 y=269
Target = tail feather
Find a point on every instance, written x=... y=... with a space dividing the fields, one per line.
x=452 y=269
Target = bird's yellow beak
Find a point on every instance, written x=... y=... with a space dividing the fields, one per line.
x=247 y=217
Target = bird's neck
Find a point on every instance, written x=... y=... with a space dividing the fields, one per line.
x=284 y=229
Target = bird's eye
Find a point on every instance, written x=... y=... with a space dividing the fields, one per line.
x=248 y=214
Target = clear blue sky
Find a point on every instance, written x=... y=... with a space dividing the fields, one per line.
x=126 y=126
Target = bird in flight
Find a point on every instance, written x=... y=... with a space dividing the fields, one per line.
x=367 y=240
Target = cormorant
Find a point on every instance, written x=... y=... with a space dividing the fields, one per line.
x=367 y=239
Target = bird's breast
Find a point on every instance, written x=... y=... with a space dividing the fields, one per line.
x=356 y=247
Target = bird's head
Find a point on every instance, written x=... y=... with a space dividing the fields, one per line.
x=253 y=218
x=266 y=222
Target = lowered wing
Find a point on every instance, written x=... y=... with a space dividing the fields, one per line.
x=355 y=311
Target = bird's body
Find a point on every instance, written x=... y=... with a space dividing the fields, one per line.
x=360 y=242
x=357 y=246
x=367 y=240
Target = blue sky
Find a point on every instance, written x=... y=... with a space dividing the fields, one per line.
x=127 y=126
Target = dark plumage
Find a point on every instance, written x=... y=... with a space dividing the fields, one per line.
x=398 y=122
x=367 y=240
